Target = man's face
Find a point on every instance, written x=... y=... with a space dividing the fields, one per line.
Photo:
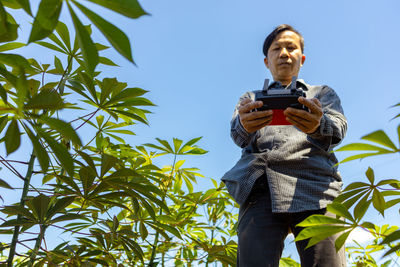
x=285 y=57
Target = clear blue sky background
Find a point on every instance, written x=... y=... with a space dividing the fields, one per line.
x=197 y=57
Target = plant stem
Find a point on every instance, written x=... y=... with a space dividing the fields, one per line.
x=21 y=204
x=37 y=245
x=153 y=251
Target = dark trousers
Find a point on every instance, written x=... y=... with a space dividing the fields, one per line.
x=261 y=234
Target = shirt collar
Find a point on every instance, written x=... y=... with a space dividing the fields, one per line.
x=300 y=83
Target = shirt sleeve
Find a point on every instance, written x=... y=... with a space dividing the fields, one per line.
x=239 y=135
x=333 y=125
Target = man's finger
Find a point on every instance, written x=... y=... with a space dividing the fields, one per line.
x=250 y=106
x=245 y=101
x=256 y=115
x=298 y=124
x=301 y=114
x=313 y=104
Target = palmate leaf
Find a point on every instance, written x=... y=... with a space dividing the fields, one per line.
x=46 y=99
x=125 y=94
x=60 y=151
x=39 y=205
x=59 y=205
x=114 y=35
x=378 y=137
x=46 y=19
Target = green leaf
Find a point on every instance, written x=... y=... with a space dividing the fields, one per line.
x=17 y=210
x=380 y=137
x=63 y=32
x=341 y=210
x=8 y=27
x=68 y=217
x=88 y=159
x=356 y=185
x=50 y=46
x=88 y=48
x=65 y=129
x=108 y=85
x=361 y=156
x=61 y=153
x=341 y=240
x=46 y=19
x=46 y=99
x=11 y=46
x=318 y=219
x=12 y=137
x=39 y=205
x=378 y=201
x=370 y=175
x=114 y=35
x=58 y=65
x=39 y=150
x=143 y=230
x=362 y=147
x=3 y=122
x=87 y=176
x=128 y=8
x=88 y=82
x=361 y=208
x=4 y=184
x=59 y=205
x=398 y=132
x=107 y=61
x=15 y=61
x=107 y=162
x=3 y=94
x=392 y=237
x=126 y=94
x=391 y=203
x=319 y=232
x=25 y=5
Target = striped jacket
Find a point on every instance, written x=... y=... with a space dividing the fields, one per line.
x=300 y=168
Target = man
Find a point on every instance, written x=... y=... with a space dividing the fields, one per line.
x=285 y=173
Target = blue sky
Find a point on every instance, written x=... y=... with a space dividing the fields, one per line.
x=198 y=57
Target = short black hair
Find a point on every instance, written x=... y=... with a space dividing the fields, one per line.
x=272 y=36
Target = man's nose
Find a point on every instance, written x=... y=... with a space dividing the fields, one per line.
x=284 y=52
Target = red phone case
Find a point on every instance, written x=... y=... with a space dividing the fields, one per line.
x=278 y=118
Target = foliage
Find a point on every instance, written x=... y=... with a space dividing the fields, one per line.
x=355 y=200
x=118 y=207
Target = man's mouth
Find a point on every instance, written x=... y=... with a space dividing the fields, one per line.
x=284 y=63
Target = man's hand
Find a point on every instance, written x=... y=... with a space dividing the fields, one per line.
x=307 y=122
x=253 y=121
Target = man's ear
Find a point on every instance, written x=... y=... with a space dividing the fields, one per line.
x=303 y=58
x=266 y=62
